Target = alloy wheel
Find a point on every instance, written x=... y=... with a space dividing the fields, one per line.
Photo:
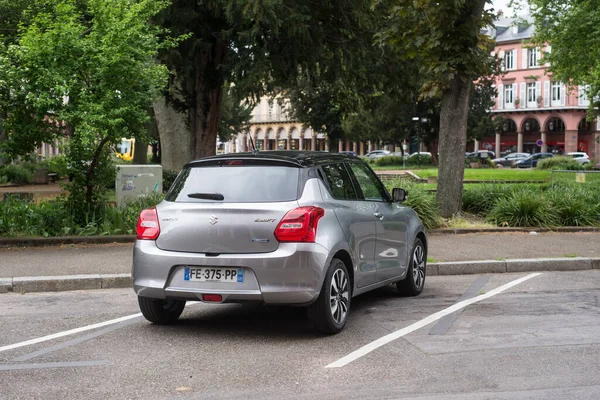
x=339 y=296
x=418 y=266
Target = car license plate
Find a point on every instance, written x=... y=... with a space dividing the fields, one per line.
x=212 y=274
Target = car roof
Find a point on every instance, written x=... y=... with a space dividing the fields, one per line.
x=295 y=157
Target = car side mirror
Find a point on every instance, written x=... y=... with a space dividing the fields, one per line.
x=399 y=195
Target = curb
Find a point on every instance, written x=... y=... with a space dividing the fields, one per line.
x=119 y=281
x=462 y=231
x=513 y=265
x=63 y=283
x=62 y=240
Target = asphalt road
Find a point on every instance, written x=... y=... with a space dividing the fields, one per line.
x=537 y=340
x=116 y=258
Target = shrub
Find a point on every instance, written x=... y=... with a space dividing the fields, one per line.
x=58 y=165
x=525 y=207
x=421 y=201
x=57 y=218
x=414 y=160
x=169 y=176
x=17 y=174
x=575 y=206
x=556 y=163
x=480 y=199
x=389 y=160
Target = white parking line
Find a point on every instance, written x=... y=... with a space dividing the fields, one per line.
x=69 y=332
x=77 y=330
x=355 y=355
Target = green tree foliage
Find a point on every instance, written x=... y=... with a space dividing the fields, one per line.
x=83 y=76
x=261 y=47
x=572 y=28
x=446 y=39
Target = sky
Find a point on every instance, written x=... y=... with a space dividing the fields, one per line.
x=502 y=5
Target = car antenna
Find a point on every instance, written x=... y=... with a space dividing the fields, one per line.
x=254 y=149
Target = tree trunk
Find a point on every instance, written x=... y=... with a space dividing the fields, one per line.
x=140 y=152
x=454 y=112
x=176 y=140
x=205 y=113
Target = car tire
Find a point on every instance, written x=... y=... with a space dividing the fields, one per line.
x=413 y=283
x=330 y=311
x=160 y=311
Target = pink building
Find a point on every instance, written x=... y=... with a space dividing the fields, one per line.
x=541 y=114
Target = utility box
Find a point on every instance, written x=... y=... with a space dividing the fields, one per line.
x=134 y=181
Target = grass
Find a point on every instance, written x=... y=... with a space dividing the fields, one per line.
x=495 y=174
x=570 y=255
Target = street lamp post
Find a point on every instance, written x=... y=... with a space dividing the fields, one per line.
x=423 y=121
x=416 y=119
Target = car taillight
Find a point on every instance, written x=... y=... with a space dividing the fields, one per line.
x=299 y=225
x=147 y=226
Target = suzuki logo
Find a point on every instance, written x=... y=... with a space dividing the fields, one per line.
x=213 y=220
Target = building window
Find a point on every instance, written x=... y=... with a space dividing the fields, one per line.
x=531 y=93
x=532 y=55
x=508 y=96
x=556 y=93
x=509 y=60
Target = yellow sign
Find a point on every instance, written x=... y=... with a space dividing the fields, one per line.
x=580 y=178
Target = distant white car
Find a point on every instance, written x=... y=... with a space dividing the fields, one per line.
x=579 y=156
x=377 y=153
x=423 y=153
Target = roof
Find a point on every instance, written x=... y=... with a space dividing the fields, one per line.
x=513 y=29
x=299 y=158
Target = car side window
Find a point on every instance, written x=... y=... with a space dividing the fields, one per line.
x=371 y=187
x=339 y=182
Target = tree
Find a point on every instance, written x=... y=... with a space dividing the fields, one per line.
x=87 y=76
x=572 y=28
x=260 y=47
x=446 y=39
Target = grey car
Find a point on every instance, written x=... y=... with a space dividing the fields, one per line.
x=307 y=229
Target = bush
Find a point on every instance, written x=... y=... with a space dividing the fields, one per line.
x=414 y=160
x=523 y=208
x=58 y=165
x=421 y=201
x=575 y=206
x=57 y=218
x=169 y=176
x=389 y=160
x=17 y=174
x=560 y=163
x=480 y=199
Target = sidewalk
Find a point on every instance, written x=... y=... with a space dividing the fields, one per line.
x=448 y=254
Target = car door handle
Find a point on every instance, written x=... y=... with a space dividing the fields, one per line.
x=377 y=214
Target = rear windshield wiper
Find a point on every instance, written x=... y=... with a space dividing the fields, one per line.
x=206 y=196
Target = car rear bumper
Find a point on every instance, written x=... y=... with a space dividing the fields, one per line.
x=293 y=274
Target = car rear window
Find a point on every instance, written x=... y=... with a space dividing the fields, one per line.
x=236 y=184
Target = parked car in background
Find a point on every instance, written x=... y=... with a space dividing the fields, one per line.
x=532 y=160
x=579 y=156
x=479 y=154
x=377 y=154
x=350 y=153
x=308 y=229
x=511 y=159
x=422 y=153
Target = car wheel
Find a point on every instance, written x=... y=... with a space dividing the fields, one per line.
x=159 y=311
x=329 y=312
x=414 y=282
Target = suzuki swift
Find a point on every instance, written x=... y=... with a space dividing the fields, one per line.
x=307 y=229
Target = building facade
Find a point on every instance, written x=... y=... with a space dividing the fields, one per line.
x=540 y=114
x=272 y=129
